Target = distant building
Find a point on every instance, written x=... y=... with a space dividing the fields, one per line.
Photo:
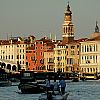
x=14 y=51
x=90 y=53
x=60 y=57
x=49 y=60
x=35 y=56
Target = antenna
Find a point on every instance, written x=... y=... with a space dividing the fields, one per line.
x=55 y=37
x=50 y=36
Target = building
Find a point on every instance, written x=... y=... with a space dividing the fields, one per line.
x=60 y=57
x=37 y=56
x=49 y=60
x=14 y=51
x=90 y=53
x=68 y=26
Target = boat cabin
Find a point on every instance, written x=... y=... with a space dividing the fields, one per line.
x=27 y=76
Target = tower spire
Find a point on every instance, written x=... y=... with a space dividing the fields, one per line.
x=96 y=28
x=68 y=11
x=68 y=7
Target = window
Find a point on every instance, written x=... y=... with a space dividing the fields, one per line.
x=90 y=57
x=77 y=46
x=72 y=52
x=12 y=56
x=91 y=69
x=85 y=48
x=17 y=56
x=41 y=53
x=23 y=56
x=88 y=69
x=90 y=48
x=40 y=42
x=20 y=56
x=67 y=61
x=72 y=47
x=66 y=30
x=94 y=47
x=9 y=56
x=66 y=47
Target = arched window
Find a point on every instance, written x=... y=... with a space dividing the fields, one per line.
x=14 y=68
x=9 y=66
x=3 y=65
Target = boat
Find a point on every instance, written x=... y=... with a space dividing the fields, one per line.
x=53 y=96
x=75 y=77
x=4 y=81
x=29 y=85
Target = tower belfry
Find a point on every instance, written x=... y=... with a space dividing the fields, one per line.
x=68 y=27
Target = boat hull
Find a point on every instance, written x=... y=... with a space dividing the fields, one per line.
x=28 y=88
x=5 y=83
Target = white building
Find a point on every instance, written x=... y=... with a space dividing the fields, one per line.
x=14 y=51
x=90 y=53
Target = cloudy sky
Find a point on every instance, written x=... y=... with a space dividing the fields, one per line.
x=42 y=17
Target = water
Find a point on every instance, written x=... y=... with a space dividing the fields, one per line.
x=88 y=90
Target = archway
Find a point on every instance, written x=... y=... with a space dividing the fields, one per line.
x=3 y=65
x=14 y=68
x=9 y=66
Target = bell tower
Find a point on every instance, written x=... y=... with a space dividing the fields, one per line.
x=68 y=27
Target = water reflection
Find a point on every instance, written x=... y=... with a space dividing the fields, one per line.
x=88 y=90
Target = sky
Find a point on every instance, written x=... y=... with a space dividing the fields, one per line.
x=44 y=17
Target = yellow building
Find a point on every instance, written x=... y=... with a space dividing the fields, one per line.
x=60 y=57
x=49 y=60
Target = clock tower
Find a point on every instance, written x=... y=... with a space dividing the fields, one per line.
x=68 y=27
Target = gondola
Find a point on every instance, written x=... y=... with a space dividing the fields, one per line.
x=53 y=96
x=29 y=85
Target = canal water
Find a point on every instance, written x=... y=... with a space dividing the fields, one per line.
x=87 y=90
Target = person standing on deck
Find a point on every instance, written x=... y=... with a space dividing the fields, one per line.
x=47 y=80
x=56 y=86
x=63 y=85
